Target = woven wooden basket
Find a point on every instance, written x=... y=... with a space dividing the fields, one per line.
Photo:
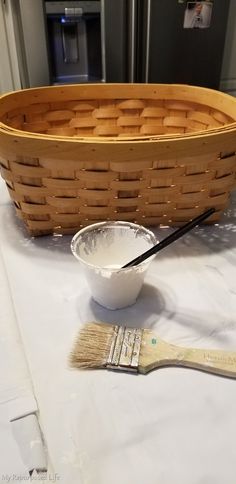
x=149 y=153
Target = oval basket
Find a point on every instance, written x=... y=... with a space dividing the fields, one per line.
x=148 y=153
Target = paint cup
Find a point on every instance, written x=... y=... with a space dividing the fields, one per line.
x=102 y=249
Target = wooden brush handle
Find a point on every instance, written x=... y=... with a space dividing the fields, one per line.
x=157 y=353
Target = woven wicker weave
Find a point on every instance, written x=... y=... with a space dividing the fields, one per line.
x=154 y=154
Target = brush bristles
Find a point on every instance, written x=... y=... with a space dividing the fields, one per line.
x=92 y=347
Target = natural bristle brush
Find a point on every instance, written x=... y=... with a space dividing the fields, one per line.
x=114 y=347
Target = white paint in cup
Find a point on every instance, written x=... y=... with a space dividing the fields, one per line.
x=102 y=249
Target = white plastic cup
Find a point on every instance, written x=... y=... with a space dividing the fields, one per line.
x=102 y=249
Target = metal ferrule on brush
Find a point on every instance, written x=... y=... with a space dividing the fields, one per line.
x=125 y=349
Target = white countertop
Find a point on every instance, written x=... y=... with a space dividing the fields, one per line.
x=173 y=425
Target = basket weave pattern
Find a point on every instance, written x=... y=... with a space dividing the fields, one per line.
x=133 y=117
x=60 y=194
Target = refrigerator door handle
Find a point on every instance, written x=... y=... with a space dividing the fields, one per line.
x=103 y=41
x=132 y=39
x=147 y=57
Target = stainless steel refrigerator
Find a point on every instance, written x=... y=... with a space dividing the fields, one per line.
x=118 y=41
x=150 y=41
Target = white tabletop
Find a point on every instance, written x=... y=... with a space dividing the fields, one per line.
x=173 y=425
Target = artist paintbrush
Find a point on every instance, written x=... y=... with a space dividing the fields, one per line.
x=114 y=347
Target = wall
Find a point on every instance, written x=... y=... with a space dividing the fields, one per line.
x=6 y=77
x=23 y=59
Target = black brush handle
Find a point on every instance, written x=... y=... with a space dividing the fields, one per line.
x=171 y=238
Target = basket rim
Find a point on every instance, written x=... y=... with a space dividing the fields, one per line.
x=12 y=144
x=119 y=140
x=6 y=129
